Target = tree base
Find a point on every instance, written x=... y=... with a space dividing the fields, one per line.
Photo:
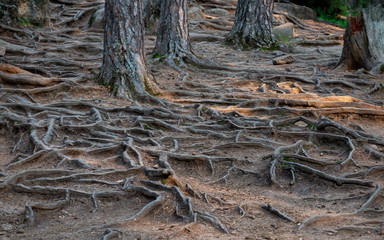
x=363 y=40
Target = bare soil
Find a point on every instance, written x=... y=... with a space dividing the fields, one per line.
x=249 y=150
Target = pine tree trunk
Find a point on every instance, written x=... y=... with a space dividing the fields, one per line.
x=253 y=24
x=151 y=13
x=172 y=42
x=124 y=69
x=364 y=40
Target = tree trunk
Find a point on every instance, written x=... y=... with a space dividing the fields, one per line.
x=151 y=14
x=172 y=42
x=124 y=69
x=253 y=24
x=363 y=40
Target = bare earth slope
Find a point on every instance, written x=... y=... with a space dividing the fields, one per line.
x=248 y=150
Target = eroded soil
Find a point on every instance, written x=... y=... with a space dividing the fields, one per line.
x=302 y=140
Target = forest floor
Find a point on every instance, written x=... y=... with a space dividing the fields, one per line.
x=250 y=151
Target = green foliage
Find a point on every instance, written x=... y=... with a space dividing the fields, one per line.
x=355 y=10
x=382 y=68
x=287 y=159
x=339 y=22
x=284 y=166
x=157 y=56
x=271 y=48
x=284 y=39
x=337 y=7
x=26 y=23
x=340 y=7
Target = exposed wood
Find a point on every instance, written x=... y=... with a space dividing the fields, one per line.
x=363 y=40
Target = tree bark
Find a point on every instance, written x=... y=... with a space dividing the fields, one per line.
x=124 y=69
x=173 y=44
x=151 y=14
x=363 y=40
x=253 y=24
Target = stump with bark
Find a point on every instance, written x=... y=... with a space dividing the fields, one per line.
x=363 y=40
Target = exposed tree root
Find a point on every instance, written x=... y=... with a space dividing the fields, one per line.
x=276 y=212
x=101 y=166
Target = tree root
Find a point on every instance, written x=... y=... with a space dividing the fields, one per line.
x=27 y=78
x=338 y=180
x=111 y=234
x=104 y=150
x=183 y=201
x=213 y=220
x=278 y=213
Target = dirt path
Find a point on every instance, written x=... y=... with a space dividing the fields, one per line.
x=254 y=151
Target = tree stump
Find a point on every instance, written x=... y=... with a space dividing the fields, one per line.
x=364 y=40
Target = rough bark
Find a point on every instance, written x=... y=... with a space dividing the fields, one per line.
x=172 y=42
x=363 y=40
x=124 y=69
x=253 y=24
x=151 y=13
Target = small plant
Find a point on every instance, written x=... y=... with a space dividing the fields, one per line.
x=284 y=166
x=287 y=159
x=284 y=39
x=157 y=56
x=330 y=14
